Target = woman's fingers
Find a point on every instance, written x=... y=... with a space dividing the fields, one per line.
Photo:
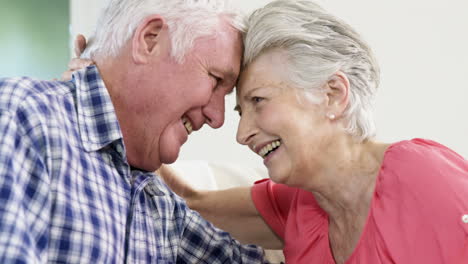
x=73 y=65
x=77 y=63
x=80 y=45
x=175 y=182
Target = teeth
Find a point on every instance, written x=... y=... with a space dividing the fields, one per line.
x=266 y=149
x=187 y=124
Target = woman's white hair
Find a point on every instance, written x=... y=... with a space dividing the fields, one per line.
x=317 y=45
x=187 y=20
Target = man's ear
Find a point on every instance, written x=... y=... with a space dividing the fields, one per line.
x=337 y=91
x=146 y=38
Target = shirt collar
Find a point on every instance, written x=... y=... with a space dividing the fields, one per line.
x=97 y=120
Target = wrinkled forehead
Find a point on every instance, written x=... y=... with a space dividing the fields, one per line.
x=270 y=69
x=227 y=49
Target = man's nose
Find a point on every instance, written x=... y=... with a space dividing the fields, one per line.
x=214 y=111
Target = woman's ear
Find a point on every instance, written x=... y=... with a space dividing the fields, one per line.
x=147 y=38
x=337 y=91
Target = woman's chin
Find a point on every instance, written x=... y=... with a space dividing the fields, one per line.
x=277 y=176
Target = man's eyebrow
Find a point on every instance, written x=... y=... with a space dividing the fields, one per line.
x=230 y=75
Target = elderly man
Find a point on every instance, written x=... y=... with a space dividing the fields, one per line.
x=75 y=156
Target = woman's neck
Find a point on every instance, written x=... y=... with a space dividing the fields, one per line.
x=345 y=185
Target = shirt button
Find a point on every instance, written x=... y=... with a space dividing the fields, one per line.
x=152 y=190
x=465 y=219
x=119 y=148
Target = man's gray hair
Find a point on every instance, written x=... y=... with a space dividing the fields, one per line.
x=187 y=20
x=317 y=45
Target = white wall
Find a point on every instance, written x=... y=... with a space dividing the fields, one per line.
x=422 y=49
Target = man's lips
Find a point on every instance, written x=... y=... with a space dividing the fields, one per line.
x=187 y=124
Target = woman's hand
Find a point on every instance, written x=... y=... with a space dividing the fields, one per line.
x=77 y=63
x=176 y=183
x=231 y=210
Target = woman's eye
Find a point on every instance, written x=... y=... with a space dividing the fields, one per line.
x=256 y=99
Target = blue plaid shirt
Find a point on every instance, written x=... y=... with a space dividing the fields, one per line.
x=68 y=195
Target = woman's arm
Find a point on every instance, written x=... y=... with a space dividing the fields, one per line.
x=231 y=210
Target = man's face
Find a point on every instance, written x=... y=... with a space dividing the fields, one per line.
x=172 y=100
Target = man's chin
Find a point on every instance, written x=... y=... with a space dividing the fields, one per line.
x=168 y=161
x=170 y=156
x=169 y=147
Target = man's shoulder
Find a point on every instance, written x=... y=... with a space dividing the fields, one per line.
x=24 y=87
x=35 y=103
x=15 y=93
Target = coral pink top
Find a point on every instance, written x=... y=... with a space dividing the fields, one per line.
x=419 y=211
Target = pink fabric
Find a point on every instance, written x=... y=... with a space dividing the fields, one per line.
x=416 y=214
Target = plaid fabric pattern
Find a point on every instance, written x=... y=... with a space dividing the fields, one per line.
x=67 y=194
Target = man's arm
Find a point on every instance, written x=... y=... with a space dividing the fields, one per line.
x=24 y=196
x=231 y=210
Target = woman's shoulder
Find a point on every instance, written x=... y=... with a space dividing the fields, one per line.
x=279 y=204
x=283 y=195
x=420 y=146
x=421 y=197
x=423 y=176
x=277 y=195
x=421 y=165
x=422 y=156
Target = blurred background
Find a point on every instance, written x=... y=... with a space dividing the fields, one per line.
x=421 y=46
x=34 y=38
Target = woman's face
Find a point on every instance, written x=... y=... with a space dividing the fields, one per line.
x=287 y=132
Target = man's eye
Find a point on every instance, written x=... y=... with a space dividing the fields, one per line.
x=217 y=79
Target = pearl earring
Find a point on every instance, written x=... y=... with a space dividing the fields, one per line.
x=331 y=116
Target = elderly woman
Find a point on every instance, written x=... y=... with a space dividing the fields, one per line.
x=334 y=195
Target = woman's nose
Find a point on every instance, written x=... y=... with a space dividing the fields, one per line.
x=245 y=130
